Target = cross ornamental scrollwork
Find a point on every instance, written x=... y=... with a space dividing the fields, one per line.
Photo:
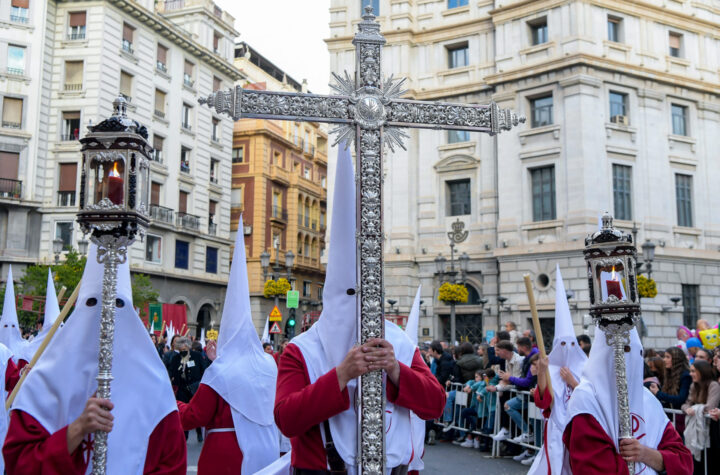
x=369 y=113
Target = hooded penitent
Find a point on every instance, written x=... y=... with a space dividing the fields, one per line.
x=10 y=335
x=5 y=355
x=566 y=352
x=52 y=310
x=326 y=343
x=596 y=395
x=57 y=388
x=417 y=424
x=243 y=374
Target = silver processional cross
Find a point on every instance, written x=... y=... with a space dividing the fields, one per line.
x=370 y=113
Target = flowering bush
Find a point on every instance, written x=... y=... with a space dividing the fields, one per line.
x=453 y=293
x=646 y=287
x=273 y=288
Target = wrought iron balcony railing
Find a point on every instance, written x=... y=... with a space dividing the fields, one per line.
x=187 y=221
x=161 y=213
x=10 y=188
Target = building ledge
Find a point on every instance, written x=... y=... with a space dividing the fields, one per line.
x=456 y=11
x=687 y=231
x=556 y=223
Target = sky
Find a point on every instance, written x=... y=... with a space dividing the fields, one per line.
x=289 y=33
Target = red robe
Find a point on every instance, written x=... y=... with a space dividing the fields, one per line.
x=593 y=453
x=12 y=375
x=29 y=449
x=300 y=406
x=220 y=453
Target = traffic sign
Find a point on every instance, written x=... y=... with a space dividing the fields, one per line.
x=275 y=315
x=275 y=328
x=293 y=298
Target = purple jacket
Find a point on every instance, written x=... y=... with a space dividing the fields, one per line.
x=527 y=381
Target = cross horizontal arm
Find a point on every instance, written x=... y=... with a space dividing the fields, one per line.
x=247 y=103
x=487 y=118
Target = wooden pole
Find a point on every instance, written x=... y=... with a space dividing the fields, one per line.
x=536 y=325
x=66 y=309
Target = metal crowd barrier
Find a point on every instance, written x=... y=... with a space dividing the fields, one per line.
x=530 y=414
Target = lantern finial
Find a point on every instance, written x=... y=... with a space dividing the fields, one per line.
x=120 y=106
x=607 y=221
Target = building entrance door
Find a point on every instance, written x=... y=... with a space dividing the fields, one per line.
x=468 y=327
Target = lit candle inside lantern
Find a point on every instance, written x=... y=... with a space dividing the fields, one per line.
x=613 y=285
x=115 y=186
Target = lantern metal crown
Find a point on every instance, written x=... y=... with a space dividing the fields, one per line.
x=115 y=177
x=612 y=275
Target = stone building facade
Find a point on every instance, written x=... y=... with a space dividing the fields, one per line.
x=279 y=184
x=161 y=56
x=623 y=113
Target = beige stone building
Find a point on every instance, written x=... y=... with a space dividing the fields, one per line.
x=623 y=115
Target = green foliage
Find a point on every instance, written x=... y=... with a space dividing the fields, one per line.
x=273 y=288
x=143 y=292
x=457 y=293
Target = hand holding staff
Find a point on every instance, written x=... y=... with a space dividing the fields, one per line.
x=536 y=327
x=66 y=309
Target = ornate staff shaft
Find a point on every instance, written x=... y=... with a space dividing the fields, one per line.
x=110 y=253
x=618 y=342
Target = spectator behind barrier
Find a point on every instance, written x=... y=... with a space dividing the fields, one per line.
x=585 y=343
x=677 y=380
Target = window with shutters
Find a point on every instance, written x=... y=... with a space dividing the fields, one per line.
x=215 y=130
x=155 y=190
x=64 y=232
x=66 y=185
x=212 y=225
x=160 y=103
x=162 y=53
x=458 y=56
x=126 y=82
x=188 y=78
x=675 y=43
x=217 y=83
x=683 y=200
x=458 y=197
x=76 y=25
x=182 y=254
x=541 y=111
x=184 y=159
x=238 y=154
x=211 y=258
x=543 y=193
x=19 y=11
x=679 y=119
x=74 y=76
x=538 y=31
x=214 y=170
x=622 y=191
x=158 y=144
x=183 y=201
x=70 y=126
x=12 y=112
x=153 y=249
x=236 y=197
x=216 y=43
x=8 y=169
x=16 y=60
x=186 y=116
x=127 y=38
x=691 y=310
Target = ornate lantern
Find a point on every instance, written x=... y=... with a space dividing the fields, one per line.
x=115 y=177
x=113 y=210
x=614 y=303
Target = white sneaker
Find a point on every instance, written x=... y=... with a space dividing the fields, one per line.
x=468 y=443
x=522 y=456
x=476 y=443
x=528 y=461
x=502 y=435
x=447 y=426
x=525 y=438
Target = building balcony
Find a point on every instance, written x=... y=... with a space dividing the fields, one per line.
x=212 y=229
x=76 y=36
x=279 y=174
x=159 y=113
x=66 y=198
x=10 y=188
x=187 y=127
x=127 y=46
x=161 y=214
x=70 y=137
x=214 y=180
x=11 y=125
x=184 y=167
x=187 y=221
x=15 y=71
x=73 y=87
x=279 y=214
x=156 y=156
x=161 y=67
x=188 y=81
x=19 y=19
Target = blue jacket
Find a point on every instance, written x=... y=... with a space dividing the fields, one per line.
x=527 y=381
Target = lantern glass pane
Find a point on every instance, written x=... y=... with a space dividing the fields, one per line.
x=110 y=182
x=613 y=282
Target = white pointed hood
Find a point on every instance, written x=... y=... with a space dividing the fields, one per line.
x=266 y=331
x=10 y=335
x=243 y=374
x=597 y=395
x=413 y=322
x=57 y=388
x=52 y=310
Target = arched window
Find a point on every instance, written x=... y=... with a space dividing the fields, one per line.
x=473 y=295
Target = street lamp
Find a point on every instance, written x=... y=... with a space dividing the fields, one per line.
x=648 y=248
x=57 y=249
x=456 y=236
x=83 y=246
x=392 y=303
